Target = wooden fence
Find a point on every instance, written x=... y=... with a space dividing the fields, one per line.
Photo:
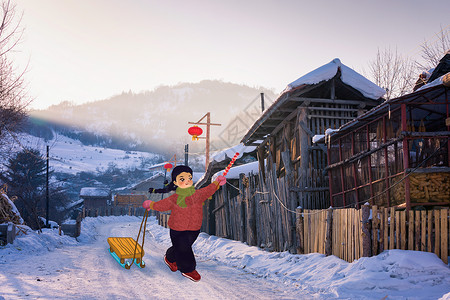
x=114 y=211
x=261 y=219
x=350 y=234
x=253 y=215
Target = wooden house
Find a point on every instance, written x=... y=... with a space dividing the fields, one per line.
x=95 y=197
x=156 y=181
x=327 y=97
x=260 y=208
x=129 y=200
x=397 y=154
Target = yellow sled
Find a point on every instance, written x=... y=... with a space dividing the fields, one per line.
x=122 y=248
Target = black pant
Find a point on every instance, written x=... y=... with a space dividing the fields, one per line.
x=181 y=250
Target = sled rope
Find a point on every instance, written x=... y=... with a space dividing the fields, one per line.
x=144 y=221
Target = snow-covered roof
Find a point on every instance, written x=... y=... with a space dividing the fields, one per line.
x=95 y=192
x=348 y=76
x=230 y=152
x=234 y=172
x=440 y=80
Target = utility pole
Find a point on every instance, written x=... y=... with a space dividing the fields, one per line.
x=208 y=124
x=262 y=102
x=186 y=154
x=46 y=191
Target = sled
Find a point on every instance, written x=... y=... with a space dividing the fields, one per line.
x=122 y=249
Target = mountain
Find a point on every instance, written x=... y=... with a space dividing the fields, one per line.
x=157 y=120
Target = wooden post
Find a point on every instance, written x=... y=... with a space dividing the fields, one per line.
x=251 y=212
x=207 y=138
x=227 y=212
x=300 y=248
x=329 y=232
x=406 y=158
x=304 y=152
x=78 y=224
x=375 y=225
x=242 y=198
x=365 y=231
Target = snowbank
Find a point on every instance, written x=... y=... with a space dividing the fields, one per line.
x=397 y=274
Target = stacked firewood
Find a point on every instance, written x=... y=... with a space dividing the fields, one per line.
x=425 y=187
x=7 y=212
x=430 y=187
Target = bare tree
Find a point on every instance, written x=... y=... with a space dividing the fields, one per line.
x=392 y=72
x=433 y=51
x=13 y=98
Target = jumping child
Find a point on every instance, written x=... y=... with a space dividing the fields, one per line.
x=185 y=220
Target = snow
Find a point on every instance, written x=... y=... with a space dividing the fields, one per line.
x=230 y=152
x=436 y=82
x=317 y=137
x=71 y=156
x=348 y=76
x=234 y=172
x=50 y=266
x=14 y=209
x=95 y=192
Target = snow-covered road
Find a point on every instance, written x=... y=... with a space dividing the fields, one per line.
x=49 y=266
x=87 y=271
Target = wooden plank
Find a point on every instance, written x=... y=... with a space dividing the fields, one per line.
x=341 y=234
x=316 y=237
x=403 y=230
x=306 y=233
x=444 y=235
x=345 y=230
x=437 y=233
x=423 y=217
x=355 y=227
x=355 y=235
x=417 y=231
x=324 y=229
x=359 y=248
x=375 y=228
x=335 y=240
x=350 y=234
x=344 y=233
x=391 y=229
x=430 y=231
x=385 y=229
x=411 y=230
x=397 y=231
x=328 y=231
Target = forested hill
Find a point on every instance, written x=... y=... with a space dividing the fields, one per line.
x=152 y=120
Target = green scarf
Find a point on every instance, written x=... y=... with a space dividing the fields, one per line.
x=182 y=194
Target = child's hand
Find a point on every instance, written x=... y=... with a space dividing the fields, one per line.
x=148 y=204
x=222 y=180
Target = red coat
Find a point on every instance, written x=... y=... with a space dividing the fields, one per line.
x=190 y=217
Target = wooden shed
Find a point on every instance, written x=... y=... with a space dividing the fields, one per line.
x=397 y=154
x=95 y=197
x=327 y=97
x=129 y=200
x=156 y=181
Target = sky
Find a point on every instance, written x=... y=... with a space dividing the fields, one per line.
x=82 y=51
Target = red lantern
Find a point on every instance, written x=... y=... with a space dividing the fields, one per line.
x=195 y=131
x=168 y=166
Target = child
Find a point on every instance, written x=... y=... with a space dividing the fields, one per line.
x=186 y=207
